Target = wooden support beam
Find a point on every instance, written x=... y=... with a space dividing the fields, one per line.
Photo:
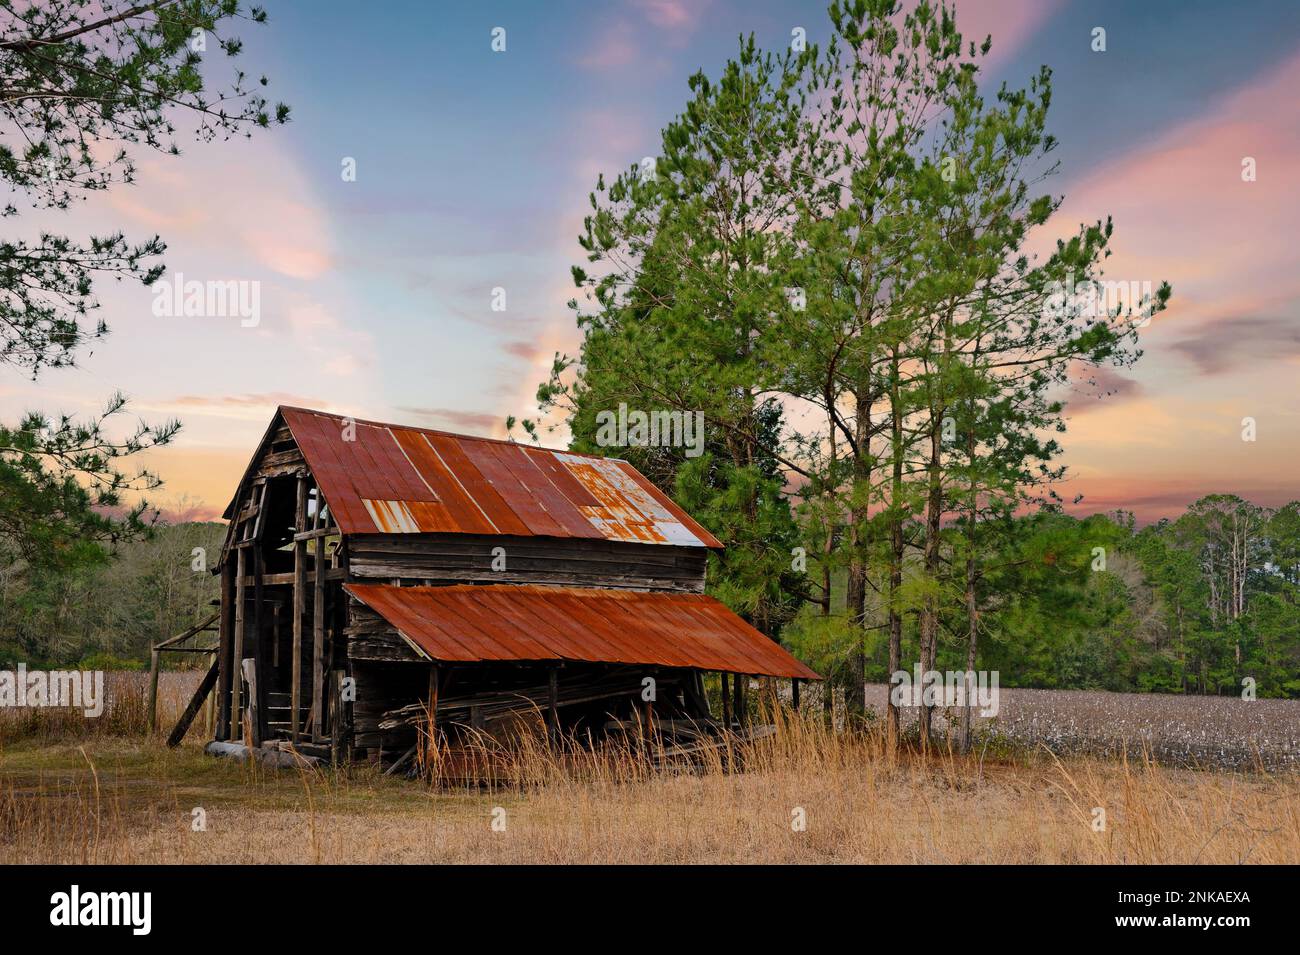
x=318 y=689
x=286 y=578
x=552 y=706
x=237 y=660
x=210 y=709
x=726 y=701
x=275 y=635
x=249 y=669
x=402 y=760
x=794 y=693
x=153 y=690
x=170 y=642
x=260 y=660
x=299 y=608
x=435 y=677
x=196 y=702
x=226 y=651
x=338 y=719
x=696 y=699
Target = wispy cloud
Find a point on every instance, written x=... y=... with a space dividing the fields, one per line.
x=1096 y=387
x=672 y=14
x=455 y=417
x=1216 y=348
x=262 y=403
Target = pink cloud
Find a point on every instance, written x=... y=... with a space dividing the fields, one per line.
x=613 y=48
x=1183 y=213
x=672 y=14
x=480 y=420
x=267 y=401
x=527 y=350
x=1010 y=25
x=621 y=43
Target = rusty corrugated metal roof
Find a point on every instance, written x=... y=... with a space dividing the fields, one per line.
x=470 y=623
x=398 y=480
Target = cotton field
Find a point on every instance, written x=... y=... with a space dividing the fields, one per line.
x=1208 y=731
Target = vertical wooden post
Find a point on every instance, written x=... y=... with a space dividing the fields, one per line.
x=338 y=724
x=237 y=668
x=432 y=756
x=726 y=702
x=275 y=635
x=552 y=705
x=299 y=608
x=249 y=670
x=318 y=640
x=794 y=693
x=260 y=661
x=225 y=649
x=153 y=690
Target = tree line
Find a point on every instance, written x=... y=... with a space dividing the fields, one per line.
x=1101 y=604
x=108 y=613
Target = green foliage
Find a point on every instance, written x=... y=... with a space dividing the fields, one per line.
x=80 y=78
x=107 y=661
x=1055 y=617
x=82 y=81
x=829 y=263
x=105 y=608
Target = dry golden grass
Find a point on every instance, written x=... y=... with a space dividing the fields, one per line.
x=124 y=800
x=125 y=711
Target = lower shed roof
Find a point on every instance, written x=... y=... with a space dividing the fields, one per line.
x=469 y=623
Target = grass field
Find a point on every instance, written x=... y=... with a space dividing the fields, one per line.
x=106 y=797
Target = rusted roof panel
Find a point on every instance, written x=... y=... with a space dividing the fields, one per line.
x=469 y=623
x=389 y=479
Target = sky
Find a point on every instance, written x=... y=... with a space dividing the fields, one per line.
x=472 y=172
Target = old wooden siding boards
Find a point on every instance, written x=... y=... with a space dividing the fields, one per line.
x=465 y=558
x=473 y=623
x=393 y=480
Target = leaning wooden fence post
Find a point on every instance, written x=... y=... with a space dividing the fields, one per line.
x=210 y=706
x=153 y=690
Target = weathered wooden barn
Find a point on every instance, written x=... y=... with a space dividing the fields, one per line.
x=373 y=574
